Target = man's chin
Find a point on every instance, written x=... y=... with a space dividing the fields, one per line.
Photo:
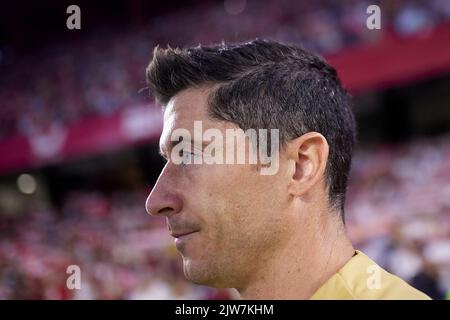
x=195 y=273
x=201 y=274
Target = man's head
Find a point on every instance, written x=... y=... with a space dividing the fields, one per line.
x=243 y=219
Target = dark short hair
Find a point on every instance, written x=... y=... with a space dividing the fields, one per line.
x=266 y=84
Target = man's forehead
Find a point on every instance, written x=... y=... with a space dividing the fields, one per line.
x=184 y=109
x=187 y=106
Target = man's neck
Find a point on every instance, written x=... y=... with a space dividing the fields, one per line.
x=299 y=269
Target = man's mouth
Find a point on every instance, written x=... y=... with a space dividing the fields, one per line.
x=180 y=234
x=182 y=238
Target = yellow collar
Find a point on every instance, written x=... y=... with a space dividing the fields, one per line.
x=362 y=278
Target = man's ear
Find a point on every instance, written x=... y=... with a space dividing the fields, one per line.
x=308 y=156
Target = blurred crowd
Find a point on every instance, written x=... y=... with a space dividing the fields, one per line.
x=398 y=202
x=104 y=72
x=398 y=206
x=397 y=212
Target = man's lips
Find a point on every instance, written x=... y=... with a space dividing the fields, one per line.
x=179 y=234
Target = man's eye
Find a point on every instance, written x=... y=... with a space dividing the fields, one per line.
x=186 y=157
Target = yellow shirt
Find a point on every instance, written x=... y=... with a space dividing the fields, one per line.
x=361 y=278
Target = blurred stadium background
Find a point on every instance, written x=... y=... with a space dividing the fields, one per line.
x=78 y=136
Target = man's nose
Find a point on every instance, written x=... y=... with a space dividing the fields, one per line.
x=163 y=202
